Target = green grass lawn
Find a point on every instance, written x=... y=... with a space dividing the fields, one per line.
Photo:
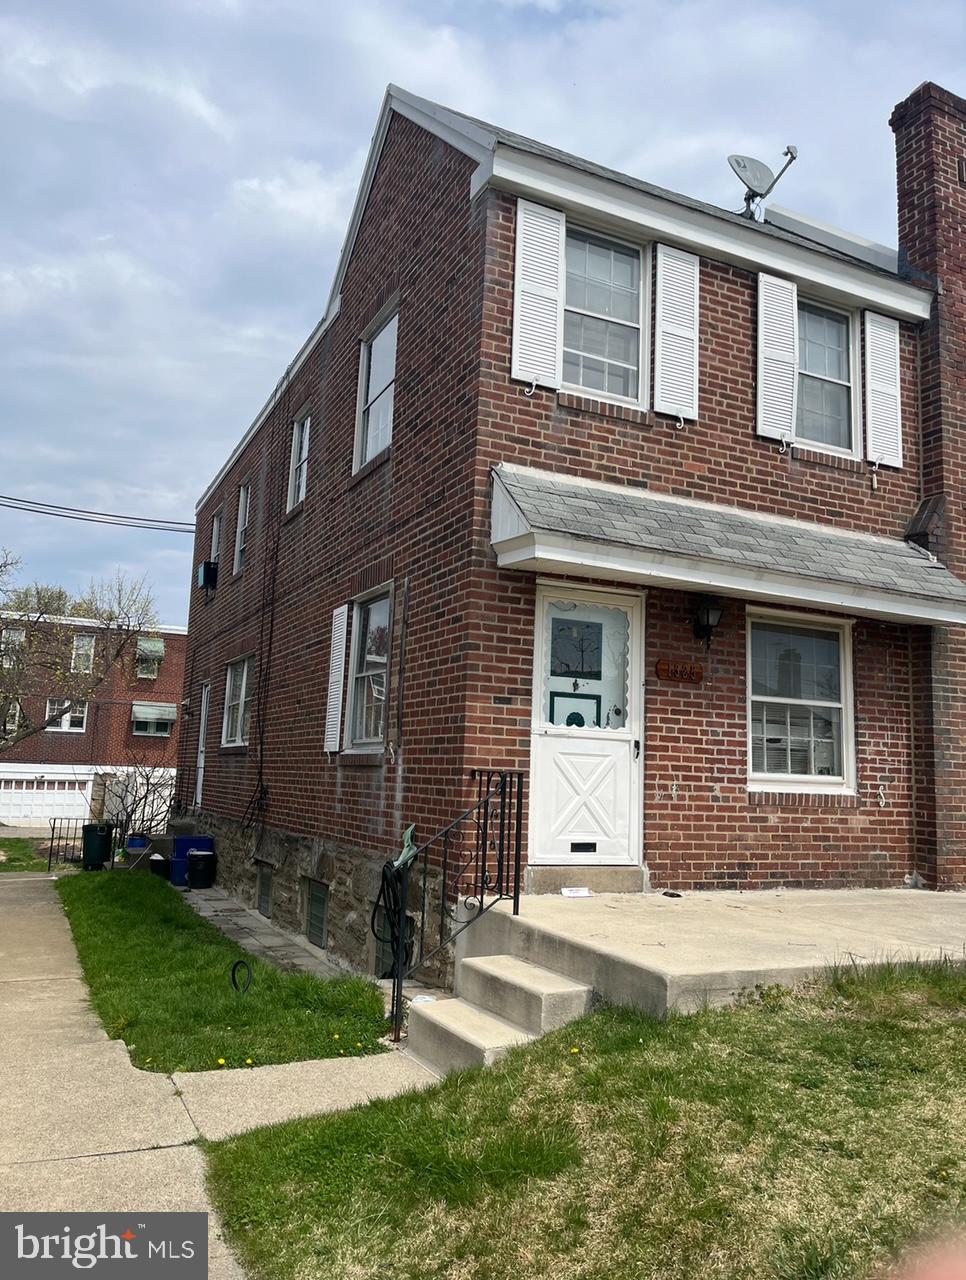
x=22 y=855
x=160 y=978
x=803 y=1136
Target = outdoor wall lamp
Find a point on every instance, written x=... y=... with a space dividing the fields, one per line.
x=707 y=615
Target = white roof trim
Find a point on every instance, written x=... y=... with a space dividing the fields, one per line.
x=11 y=615
x=630 y=211
x=539 y=552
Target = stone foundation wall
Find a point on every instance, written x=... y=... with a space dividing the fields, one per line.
x=352 y=876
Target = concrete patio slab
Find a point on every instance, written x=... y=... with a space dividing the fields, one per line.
x=222 y=1103
x=661 y=953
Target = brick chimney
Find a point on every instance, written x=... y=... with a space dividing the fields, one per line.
x=930 y=129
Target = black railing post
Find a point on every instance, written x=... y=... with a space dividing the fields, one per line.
x=398 y=935
x=517 y=843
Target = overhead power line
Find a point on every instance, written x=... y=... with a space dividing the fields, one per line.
x=95 y=517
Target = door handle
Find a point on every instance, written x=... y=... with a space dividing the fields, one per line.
x=637 y=748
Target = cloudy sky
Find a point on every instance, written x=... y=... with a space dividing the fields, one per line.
x=177 y=175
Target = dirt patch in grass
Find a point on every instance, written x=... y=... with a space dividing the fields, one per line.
x=803 y=1136
x=160 y=979
x=20 y=854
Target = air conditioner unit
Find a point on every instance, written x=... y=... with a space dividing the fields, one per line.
x=208 y=574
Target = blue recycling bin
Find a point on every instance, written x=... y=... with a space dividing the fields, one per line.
x=183 y=845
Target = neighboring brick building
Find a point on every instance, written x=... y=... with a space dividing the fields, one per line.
x=555 y=421
x=130 y=722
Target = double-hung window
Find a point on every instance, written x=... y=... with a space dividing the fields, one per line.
x=82 y=654
x=602 y=317
x=824 y=378
x=800 y=712
x=216 y=520
x=377 y=391
x=241 y=528
x=9 y=718
x=64 y=718
x=370 y=662
x=238 y=704
x=298 y=469
x=12 y=640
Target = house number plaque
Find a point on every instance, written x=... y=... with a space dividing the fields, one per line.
x=679 y=672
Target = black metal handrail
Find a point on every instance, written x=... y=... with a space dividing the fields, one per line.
x=471 y=865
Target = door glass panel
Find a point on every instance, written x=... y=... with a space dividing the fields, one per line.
x=585 y=666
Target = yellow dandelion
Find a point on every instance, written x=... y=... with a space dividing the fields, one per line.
x=358 y=1045
x=221 y=1062
x=575 y=1049
x=248 y=1062
x=336 y=1036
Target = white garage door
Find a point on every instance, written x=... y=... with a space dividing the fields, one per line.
x=32 y=801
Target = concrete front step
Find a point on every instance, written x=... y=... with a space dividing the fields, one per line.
x=451 y=1035
x=526 y=994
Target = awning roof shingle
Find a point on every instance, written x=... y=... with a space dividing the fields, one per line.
x=716 y=545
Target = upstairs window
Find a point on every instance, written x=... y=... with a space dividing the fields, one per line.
x=824 y=377
x=216 y=520
x=12 y=640
x=64 y=718
x=149 y=654
x=82 y=654
x=370 y=662
x=241 y=529
x=602 y=317
x=238 y=705
x=9 y=718
x=299 y=464
x=377 y=382
x=153 y=719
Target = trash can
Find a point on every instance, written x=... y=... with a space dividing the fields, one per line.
x=202 y=864
x=160 y=865
x=179 y=861
x=96 y=841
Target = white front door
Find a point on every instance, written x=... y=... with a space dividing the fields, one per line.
x=202 y=735
x=585 y=765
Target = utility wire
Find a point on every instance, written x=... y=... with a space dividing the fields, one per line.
x=95 y=517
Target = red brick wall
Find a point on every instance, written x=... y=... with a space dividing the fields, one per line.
x=108 y=738
x=404 y=518
x=930 y=129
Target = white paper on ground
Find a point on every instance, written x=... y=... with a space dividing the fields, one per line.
x=582 y=892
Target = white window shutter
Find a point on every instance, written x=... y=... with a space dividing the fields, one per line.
x=777 y=357
x=676 y=332
x=883 y=428
x=538 y=295
x=333 y=708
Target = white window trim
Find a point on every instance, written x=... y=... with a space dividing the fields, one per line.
x=61 y=726
x=245 y=664
x=372 y=330
x=646 y=256
x=242 y=529
x=846 y=785
x=75 y=669
x=854 y=318
x=217 y=535
x=357 y=602
x=9 y=645
x=295 y=462
x=150 y=733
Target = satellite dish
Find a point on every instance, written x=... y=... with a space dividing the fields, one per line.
x=758 y=178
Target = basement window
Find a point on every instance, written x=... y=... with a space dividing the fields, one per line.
x=264 y=897
x=316 y=912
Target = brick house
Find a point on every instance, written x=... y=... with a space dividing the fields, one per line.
x=74 y=767
x=579 y=477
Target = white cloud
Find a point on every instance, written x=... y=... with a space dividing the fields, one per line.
x=301 y=196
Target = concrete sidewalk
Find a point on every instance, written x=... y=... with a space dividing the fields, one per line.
x=82 y=1129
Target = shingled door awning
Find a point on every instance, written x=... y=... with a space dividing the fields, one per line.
x=550 y=523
